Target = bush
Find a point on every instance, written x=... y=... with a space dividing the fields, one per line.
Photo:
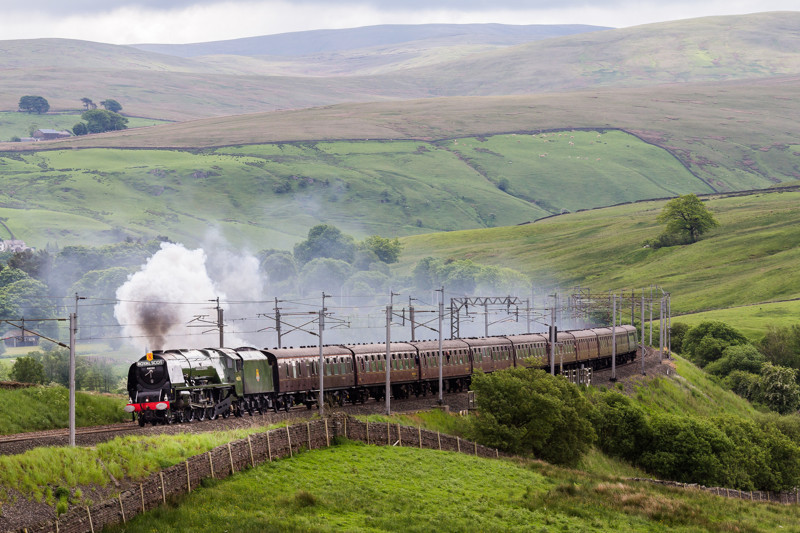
x=743 y=357
x=526 y=411
x=623 y=429
x=781 y=346
x=706 y=341
x=686 y=449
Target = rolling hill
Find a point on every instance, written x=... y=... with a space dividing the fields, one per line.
x=164 y=86
x=749 y=259
x=272 y=193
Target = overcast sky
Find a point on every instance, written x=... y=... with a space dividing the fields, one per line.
x=187 y=21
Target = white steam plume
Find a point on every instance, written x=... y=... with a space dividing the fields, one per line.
x=152 y=304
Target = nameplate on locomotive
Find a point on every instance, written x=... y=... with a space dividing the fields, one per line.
x=154 y=362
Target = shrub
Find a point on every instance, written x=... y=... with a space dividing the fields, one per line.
x=706 y=341
x=527 y=411
x=781 y=346
x=743 y=357
x=623 y=429
x=686 y=449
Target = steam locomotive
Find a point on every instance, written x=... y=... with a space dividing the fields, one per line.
x=196 y=384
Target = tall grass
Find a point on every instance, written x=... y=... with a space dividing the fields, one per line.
x=40 y=408
x=354 y=487
x=132 y=457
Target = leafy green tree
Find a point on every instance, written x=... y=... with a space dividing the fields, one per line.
x=36 y=264
x=100 y=120
x=111 y=105
x=325 y=241
x=745 y=384
x=324 y=274
x=706 y=341
x=88 y=104
x=387 y=250
x=278 y=265
x=743 y=357
x=781 y=346
x=686 y=449
x=778 y=388
x=677 y=333
x=686 y=216
x=80 y=129
x=26 y=369
x=527 y=411
x=34 y=104
x=623 y=428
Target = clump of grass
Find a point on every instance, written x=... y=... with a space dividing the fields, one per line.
x=303 y=498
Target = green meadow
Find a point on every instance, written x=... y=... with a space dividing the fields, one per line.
x=24 y=124
x=269 y=195
x=355 y=487
x=750 y=258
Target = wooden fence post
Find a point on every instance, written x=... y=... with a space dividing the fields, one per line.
x=327 y=435
x=141 y=491
x=250 y=445
x=439 y=438
x=89 y=513
x=210 y=464
x=188 y=480
x=419 y=431
x=289 y=438
x=367 y=423
x=399 y=436
x=308 y=431
x=230 y=455
x=269 y=448
x=122 y=509
x=163 y=491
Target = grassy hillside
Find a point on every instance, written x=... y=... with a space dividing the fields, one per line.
x=733 y=136
x=356 y=487
x=269 y=195
x=750 y=258
x=40 y=408
x=751 y=320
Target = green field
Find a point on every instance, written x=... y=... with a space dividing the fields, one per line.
x=751 y=320
x=751 y=258
x=23 y=124
x=354 y=487
x=269 y=195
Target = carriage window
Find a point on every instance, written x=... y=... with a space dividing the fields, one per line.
x=230 y=362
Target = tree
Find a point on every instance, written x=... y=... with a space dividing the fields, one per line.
x=35 y=264
x=100 y=120
x=737 y=357
x=88 y=104
x=325 y=240
x=387 y=250
x=706 y=341
x=111 y=105
x=528 y=411
x=27 y=370
x=34 y=104
x=686 y=216
x=781 y=346
x=779 y=389
x=80 y=129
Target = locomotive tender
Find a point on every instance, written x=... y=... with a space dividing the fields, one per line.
x=183 y=385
